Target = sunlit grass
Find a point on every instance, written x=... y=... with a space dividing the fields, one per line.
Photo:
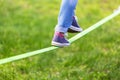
x=29 y=25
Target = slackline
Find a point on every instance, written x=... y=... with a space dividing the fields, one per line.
x=71 y=40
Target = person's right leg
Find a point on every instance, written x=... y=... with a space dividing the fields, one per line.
x=66 y=15
x=64 y=22
x=75 y=28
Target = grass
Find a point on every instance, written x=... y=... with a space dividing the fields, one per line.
x=29 y=25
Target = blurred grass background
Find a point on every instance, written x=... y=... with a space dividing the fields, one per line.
x=29 y=25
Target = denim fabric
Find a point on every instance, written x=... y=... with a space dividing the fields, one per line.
x=65 y=16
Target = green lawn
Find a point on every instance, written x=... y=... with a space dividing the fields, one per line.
x=28 y=25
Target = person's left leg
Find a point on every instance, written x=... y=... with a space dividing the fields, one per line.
x=64 y=22
x=66 y=14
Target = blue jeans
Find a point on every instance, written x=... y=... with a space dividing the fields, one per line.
x=65 y=16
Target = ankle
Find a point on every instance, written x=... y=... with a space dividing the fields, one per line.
x=56 y=32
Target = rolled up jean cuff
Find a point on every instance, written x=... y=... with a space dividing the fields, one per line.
x=61 y=29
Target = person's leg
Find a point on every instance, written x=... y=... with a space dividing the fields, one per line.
x=75 y=28
x=66 y=14
x=64 y=22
